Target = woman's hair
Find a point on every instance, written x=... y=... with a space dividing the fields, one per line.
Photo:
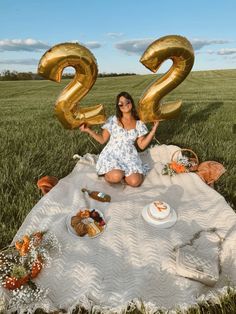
x=133 y=109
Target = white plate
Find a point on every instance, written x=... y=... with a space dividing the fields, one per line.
x=72 y=231
x=162 y=223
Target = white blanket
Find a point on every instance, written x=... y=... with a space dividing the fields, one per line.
x=131 y=259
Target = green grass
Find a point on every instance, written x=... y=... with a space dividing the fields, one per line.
x=34 y=143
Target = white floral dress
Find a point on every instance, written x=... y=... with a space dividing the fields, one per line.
x=120 y=152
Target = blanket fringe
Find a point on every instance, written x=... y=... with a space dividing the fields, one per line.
x=220 y=301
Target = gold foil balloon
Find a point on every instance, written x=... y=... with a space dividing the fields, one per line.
x=180 y=51
x=67 y=109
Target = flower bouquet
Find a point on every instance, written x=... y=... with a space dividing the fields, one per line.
x=21 y=263
x=182 y=163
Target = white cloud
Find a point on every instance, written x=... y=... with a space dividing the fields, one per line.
x=93 y=44
x=88 y=44
x=114 y=35
x=20 y=61
x=210 y=52
x=28 y=44
x=136 y=46
x=226 y=51
x=230 y=52
x=75 y=41
x=200 y=43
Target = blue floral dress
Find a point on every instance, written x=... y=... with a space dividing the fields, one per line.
x=120 y=152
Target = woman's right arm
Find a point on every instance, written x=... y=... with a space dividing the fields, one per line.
x=100 y=138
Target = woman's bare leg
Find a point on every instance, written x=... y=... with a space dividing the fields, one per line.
x=114 y=176
x=135 y=179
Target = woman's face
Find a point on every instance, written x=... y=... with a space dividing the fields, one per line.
x=124 y=104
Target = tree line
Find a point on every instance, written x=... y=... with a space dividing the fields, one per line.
x=8 y=75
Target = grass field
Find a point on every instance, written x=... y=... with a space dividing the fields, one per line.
x=33 y=143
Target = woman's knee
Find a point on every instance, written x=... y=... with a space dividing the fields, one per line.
x=134 y=180
x=114 y=176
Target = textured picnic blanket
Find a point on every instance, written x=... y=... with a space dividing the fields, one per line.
x=131 y=259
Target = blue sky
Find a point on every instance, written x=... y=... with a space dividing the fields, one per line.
x=116 y=31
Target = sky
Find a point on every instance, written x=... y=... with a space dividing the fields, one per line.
x=116 y=31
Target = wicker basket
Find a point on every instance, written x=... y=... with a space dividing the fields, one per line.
x=193 y=160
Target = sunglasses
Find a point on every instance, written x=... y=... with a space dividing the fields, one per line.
x=120 y=104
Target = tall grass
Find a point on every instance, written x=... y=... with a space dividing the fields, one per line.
x=33 y=143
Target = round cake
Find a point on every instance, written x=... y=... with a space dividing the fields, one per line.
x=158 y=210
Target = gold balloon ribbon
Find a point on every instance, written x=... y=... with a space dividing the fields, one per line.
x=180 y=51
x=67 y=108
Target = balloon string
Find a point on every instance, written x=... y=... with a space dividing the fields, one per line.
x=93 y=145
x=156 y=140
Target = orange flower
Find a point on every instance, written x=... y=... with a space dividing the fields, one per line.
x=18 y=245
x=25 y=245
x=178 y=168
x=23 y=248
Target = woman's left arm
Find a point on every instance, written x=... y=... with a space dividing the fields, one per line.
x=143 y=141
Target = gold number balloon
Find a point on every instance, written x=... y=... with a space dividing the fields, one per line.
x=180 y=51
x=67 y=109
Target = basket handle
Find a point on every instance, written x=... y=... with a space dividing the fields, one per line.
x=185 y=149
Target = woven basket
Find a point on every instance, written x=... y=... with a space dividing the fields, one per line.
x=193 y=160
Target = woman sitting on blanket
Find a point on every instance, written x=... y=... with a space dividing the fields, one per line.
x=119 y=159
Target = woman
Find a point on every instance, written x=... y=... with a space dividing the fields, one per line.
x=119 y=159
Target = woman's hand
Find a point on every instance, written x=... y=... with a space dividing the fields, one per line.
x=155 y=126
x=143 y=141
x=84 y=128
x=100 y=138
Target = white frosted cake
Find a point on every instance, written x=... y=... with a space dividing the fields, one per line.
x=158 y=210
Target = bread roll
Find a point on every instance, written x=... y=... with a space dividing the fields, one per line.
x=81 y=229
x=75 y=220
